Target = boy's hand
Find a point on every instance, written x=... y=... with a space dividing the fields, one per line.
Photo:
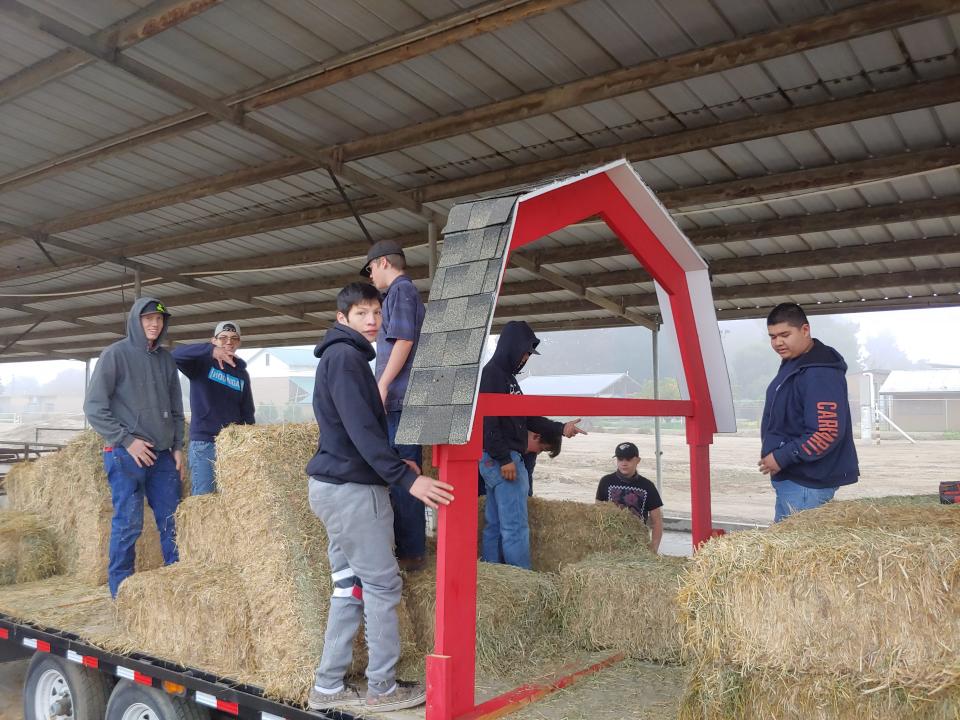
x=509 y=471
x=178 y=462
x=430 y=492
x=572 y=428
x=222 y=355
x=142 y=452
x=769 y=465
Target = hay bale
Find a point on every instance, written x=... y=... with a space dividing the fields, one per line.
x=203 y=526
x=69 y=490
x=192 y=614
x=625 y=602
x=517 y=616
x=896 y=512
x=882 y=606
x=563 y=532
x=724 y=693
x=28 y=549
x=279 y=548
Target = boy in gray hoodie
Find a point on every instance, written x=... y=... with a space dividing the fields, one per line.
x=134 y=403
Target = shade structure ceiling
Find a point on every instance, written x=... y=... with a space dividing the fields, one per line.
x=219 y=153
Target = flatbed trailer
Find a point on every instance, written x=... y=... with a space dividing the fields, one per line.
x=69 y=678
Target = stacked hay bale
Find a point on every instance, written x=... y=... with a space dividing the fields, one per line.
x=812 y=619
x=517 y=616
x=625 y=602
x=563 y=532
x=69 y=490
x=28 y=548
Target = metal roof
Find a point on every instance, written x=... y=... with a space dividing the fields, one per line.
x=921 y=382
x=586 y=384
x=808 y=149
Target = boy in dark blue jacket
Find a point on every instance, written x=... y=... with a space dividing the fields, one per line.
x=220 y=395
x=349 y=490
x=807 y=441
x=506 y=534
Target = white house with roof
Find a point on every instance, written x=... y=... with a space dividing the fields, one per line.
x=923 y=400
x=583 y=385
x=282 y=382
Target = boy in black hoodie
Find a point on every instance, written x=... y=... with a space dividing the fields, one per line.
x=506 y=535
x=349 y=489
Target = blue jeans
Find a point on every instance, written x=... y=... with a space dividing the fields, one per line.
x=793 y=497
x=506 y=534
x=409 y=520
x=202 y=455
x=129 y=484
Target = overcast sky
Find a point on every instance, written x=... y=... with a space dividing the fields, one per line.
x=931 y=334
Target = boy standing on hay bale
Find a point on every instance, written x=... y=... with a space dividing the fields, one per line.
x=349 y=490
x=219 y=396
x=403 y=314
x=506 y=532
x=134 y=403
x=632 y=491
x=806 y=439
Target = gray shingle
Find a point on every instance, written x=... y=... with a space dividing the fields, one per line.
x=478 y=311
x=461 y=247
x=431 y=386
x=463 y=347
x=436 y=284
x=480 y=213
x=457 y=313
x=459 y=424
x=430 y=349
x=463 y=280
x=465 y=385
x=458 y=219
x=491 y=280
x=425 y=425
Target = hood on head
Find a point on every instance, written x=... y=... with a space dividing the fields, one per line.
x=341 y=333
x=135 y=332
x=821 y=354
x=516 y=339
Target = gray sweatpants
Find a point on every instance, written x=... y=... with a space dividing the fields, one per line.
x=366 y=581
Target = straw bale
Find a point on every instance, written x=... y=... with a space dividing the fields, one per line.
x=896 y=512
x=625 y=602
x=204 y=528
x=723 y=693
x=69 y=490
x=192 y=614
x=279 y=548
x=28 y=549
x=563 y=532
x=882 y=605
x=517 y=616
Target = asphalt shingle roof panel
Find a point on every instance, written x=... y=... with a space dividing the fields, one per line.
x=439 y=404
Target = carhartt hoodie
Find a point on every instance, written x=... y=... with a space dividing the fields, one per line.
x=135 y=391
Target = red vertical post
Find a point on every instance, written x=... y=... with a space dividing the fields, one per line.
x=451 y=667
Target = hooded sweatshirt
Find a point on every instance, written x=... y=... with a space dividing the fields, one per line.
x=806 y=421
x=217 y=397
x=135 y=390
x=353 y=443
x=503 y=435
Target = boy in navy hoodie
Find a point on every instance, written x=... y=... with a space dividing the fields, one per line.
x=807 y=442
x=220 y=395
x=506 y=534
x=349 y=490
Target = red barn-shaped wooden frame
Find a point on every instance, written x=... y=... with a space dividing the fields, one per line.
x=617 y=195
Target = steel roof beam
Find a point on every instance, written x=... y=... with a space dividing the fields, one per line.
x=151 y=20
x=851 y=23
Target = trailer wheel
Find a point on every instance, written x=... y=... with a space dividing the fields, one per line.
x=138 y=702
x=56 y=689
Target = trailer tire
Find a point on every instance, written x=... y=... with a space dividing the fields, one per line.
x=81 y=692
x=138 y=702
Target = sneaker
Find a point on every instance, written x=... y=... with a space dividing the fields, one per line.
x=404 y=695
x=349 y=696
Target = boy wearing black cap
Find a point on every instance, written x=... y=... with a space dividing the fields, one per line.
x=403 y=314
x=220 y=395
x=133 y=402
x=633 y=491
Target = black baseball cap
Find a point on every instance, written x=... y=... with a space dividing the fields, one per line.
x=380 y=249
x=155 y=306
x=626 y=451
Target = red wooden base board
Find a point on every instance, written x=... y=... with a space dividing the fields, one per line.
x=512 y=701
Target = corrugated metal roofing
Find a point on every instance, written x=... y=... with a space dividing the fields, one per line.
x=97 y=157
x=921 y=381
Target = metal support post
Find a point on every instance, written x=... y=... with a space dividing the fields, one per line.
x=136 y=284
x=658 y=453
x=432 y=243
x=86 y=384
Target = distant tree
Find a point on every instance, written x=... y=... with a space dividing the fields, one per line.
x=66 y=382
x=669 y=388
x=23 y=385
x=882 y=352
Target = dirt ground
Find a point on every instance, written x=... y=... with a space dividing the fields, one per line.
x=738 y=491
